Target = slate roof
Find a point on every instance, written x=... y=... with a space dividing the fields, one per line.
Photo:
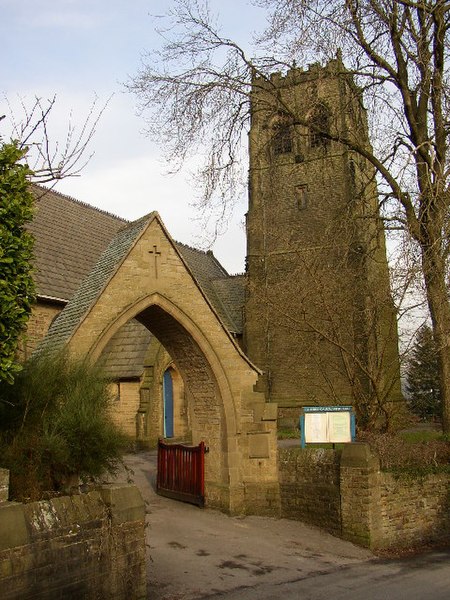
x=94 y=283
x=69 y=238
x=78 y=247
x=231 y=294
x=219 y=287
x=123 y=357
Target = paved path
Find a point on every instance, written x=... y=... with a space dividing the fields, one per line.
x=203 y=554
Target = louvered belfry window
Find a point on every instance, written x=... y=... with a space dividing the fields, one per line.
x=320 y=126
x=282 y=135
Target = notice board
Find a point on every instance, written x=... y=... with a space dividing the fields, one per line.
x=327 y=424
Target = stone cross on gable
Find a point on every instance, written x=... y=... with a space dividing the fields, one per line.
x=156 y=253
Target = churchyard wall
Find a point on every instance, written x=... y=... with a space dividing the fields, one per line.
x=415 y=510
x=309 y=487
x=346 y=493
x=82 y=546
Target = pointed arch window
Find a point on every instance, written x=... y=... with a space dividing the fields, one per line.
x=319 y=125
x=281 y=134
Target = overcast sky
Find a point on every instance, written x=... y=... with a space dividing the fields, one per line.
x=83 y=49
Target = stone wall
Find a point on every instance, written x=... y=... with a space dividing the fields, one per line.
x=42 y=316
x=125 y=406
x=347 y=494
x=360 y=496
x=309 y=487
x=82 y=547
x=408 y=503
x=4 y=484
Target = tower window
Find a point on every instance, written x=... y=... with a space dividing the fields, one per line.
x=319 y=126
x=352 y=169
x=282 y=135
x=301 y=196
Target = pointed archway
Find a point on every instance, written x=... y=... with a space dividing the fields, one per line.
x=142 y=275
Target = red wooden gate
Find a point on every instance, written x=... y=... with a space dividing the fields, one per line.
x=181 y=472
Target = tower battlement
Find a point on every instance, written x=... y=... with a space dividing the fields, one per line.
x=297 y=75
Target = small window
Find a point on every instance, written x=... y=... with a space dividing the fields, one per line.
x=352 y=170
x=282 y=135
x=319 y=124
x=301 y=196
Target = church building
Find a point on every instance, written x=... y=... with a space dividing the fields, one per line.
x=311 y=322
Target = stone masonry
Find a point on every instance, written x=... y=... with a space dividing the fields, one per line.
x=344 y=492
x=310 y=487
x=83 y=546
x=4 y=485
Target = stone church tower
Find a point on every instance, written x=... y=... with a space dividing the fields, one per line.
x=319 y=318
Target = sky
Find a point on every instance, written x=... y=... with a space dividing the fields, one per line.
x=80 y=50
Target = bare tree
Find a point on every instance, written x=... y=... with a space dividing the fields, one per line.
x=51 y=160
x=198 y=87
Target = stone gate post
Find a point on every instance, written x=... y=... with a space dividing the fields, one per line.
x=360 y=495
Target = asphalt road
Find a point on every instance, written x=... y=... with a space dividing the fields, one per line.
x=427 y=578
x=201 y=554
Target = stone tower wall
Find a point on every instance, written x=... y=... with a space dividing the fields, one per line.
x=319 y=316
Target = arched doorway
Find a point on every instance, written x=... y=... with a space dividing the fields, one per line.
x=196 y=369
x=168 y=404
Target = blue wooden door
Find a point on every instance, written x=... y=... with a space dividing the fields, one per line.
x=168 y=404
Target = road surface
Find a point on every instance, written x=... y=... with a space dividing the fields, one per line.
x=202 y=554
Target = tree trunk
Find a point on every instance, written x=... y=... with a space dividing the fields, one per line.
x=433 y=266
